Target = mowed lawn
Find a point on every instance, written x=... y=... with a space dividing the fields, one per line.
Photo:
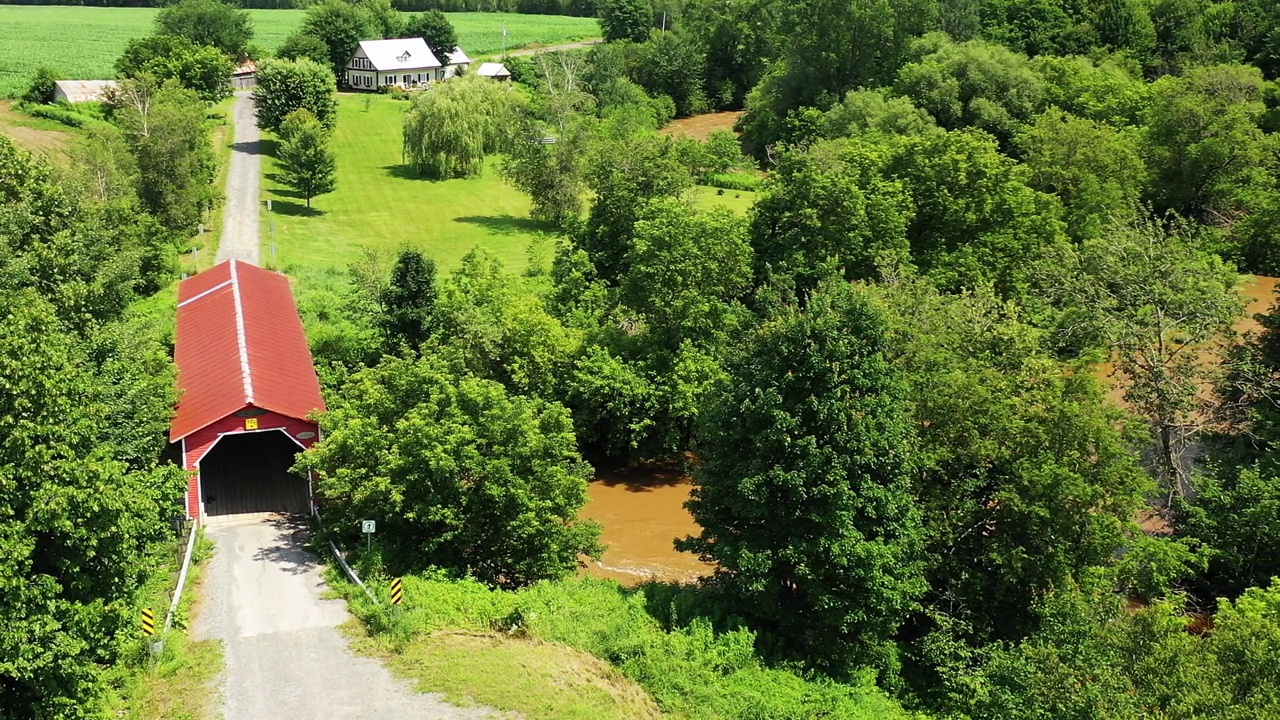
x=380 y=205
x=84 y=42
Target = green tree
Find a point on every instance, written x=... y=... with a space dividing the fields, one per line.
x=972 y=84
x=78 y=525
x=306 y=163
x=1026 y=475
x=165 y=129
x=340 y=26
x=803 y=490
x=1236 y=515
x=288 y=85
x=200 y=68
x=41 y=87
x=626 y=170
x=686 y=272
x=434 y=28
x=1203 y=143
x=408 y=302
x=450 y=128
x=829 y=212
x=547 y=156
x=1148 y=290
x=301 y=45
x=866 y=111
x=89 y=260
x=459 y=474
x=108 y=166
x=1105 y=92
x=501 y=333
x=1096 y=171
x=86 y=402
x=671 y=64
x=974 y=221
x=208 y=22
x=625 y=19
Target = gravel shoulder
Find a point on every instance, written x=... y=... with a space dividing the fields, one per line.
x=285 y=656
x=240 y=230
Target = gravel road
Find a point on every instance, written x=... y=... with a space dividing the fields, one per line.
x=285 y=657
x=240 y=216
x=553 y=48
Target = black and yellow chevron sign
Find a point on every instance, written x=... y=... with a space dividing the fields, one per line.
x=397 y=591
x=148 y=622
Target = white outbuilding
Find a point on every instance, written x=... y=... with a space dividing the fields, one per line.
x=497 y=71
x=78 y=91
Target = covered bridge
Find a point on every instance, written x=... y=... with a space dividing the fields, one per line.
x=247 y=386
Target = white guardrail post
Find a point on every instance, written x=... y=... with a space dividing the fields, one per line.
x=182 y=575
x=337 y=554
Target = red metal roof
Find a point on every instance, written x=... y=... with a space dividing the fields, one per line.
x=240 y=342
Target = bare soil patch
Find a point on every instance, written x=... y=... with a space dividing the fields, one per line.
x=33 y=134
x=699 y=127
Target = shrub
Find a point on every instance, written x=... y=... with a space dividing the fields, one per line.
x=42 y=86
x=57 y=113
x=733 y=181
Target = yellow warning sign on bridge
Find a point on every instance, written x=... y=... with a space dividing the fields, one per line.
x=148 y=622
x=397 y=591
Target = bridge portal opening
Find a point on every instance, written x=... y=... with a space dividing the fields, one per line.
x=249 y=473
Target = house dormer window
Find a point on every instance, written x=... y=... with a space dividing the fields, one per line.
x=404 y=57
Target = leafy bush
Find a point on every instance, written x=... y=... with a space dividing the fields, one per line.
x=42 y=86
x=57 y=113
x=733 y=181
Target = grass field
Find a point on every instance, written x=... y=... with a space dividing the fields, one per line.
x=379 y=205
x=84 y=42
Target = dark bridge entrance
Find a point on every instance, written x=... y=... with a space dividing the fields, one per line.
x=249 y=473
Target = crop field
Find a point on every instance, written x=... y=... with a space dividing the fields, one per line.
x=84 y=42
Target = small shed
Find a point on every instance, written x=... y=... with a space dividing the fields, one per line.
x=78 y=91
x=244 y=76
x=248 y=390
x=497 y=71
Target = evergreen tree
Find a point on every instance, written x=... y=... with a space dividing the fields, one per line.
x=409 y=300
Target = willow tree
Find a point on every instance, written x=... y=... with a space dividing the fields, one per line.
x=452 y=126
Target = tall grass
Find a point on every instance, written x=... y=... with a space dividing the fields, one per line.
x=691 y=672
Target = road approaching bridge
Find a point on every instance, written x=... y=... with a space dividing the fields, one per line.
x=285 y=657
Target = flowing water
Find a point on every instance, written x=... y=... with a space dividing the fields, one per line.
x=642 y=511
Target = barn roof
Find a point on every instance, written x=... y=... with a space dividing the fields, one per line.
x=240 y=342
x=399 y=54
x=75 y=91
x=492 y=69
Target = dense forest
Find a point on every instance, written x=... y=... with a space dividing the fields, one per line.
x=886 y=378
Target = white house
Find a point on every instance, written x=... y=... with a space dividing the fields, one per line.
x=406 y=62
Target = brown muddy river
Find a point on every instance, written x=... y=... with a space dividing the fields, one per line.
x=642 y=511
